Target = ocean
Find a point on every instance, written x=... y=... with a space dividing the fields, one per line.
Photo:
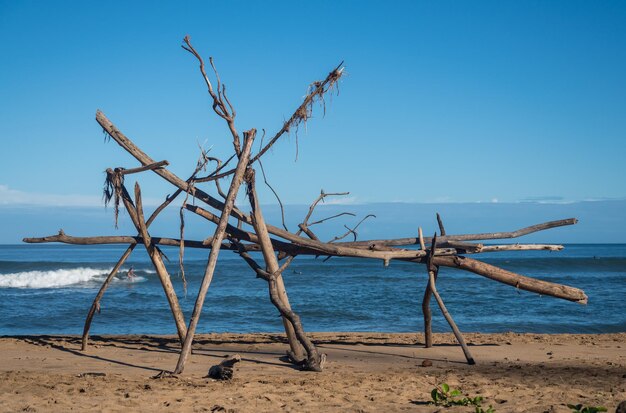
x=48 y=289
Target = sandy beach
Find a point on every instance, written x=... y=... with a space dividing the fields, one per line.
x=366 y=372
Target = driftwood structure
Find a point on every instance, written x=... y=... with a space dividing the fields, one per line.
x=277 y=246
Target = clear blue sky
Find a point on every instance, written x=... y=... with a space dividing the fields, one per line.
x=442 y=102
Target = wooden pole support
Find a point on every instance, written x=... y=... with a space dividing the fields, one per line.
x=278 y=294
x=432 y=277
x=96 y=240
x=136 y=215
x=95 y=306
x=215 y=248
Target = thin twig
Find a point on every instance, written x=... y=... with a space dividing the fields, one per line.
x=304 y=226
x=351 y=230
x=200 y=166
x=331 y=217
x=282 y=208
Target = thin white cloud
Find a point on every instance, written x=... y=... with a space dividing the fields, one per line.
x=9 y=197
x=340 y=200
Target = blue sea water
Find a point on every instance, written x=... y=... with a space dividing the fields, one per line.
x=48 y=289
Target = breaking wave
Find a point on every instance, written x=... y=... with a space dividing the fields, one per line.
x=52 y=278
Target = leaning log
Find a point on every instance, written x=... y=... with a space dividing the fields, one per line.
x=278 y=294
x=249 y=236
x=215 y=248
x=457 y=333
x=466 y=237
x=432 y=286
x=135 y=211
x=95 y=306
x=117 y=239
x=96 y=301
x=510 y=278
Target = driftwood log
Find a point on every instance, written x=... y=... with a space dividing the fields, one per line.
x=253 y=235
x=224 y=370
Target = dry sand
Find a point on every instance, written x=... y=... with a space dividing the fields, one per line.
x=367 y=372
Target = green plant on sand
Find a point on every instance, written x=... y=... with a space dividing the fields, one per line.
x=443 y=396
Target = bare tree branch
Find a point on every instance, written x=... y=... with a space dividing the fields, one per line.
x=316 y=93
x=228 y=114
x=331 y=217
x=352 y=230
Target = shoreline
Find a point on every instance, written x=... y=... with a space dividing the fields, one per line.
x=515 y=372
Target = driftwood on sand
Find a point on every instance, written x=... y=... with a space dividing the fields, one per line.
x=224 y=370
x=269 y=249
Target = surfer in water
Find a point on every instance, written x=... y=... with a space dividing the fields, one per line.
x=131 y=273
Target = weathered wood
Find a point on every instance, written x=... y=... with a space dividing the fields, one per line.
x=155 y=165
x=157 y=262
x=220 y=100
x=136 y=214
x=299 y=115
x=250 y=236
x=215 y=248
x=331 y=249
x=312 y=355
x=463 y=247
x=510 y=278
x=489 y=271
x=224 y=370
x=520 y=247
x=278 y=245
x=353 y=249
x=308 y=232
x=432 y=278
x=314 y=360
x=95 y=306
x=468 y=237
x=428 y=315
x=278 y=294
x=144 y=159
x=268 y=239
x=442 y=230
x=96 y=302
x=119 y=239
x=507 y=277
x=304 y=226
x=448 y=317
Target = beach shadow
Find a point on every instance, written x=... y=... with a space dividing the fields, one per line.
x=284 y=359
x=402 y=345
x=160 y=346
x=171 y=343
x=353 y=350
x=45 y=341
x=144 y=343
x=155 y=344
x=420 y=403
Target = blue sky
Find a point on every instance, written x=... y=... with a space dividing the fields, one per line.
x=442 y=102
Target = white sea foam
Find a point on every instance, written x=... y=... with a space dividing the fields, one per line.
x=52 y=278
x=125 y=280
